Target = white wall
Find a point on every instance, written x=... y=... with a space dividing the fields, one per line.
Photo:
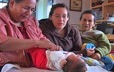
x=74 y=15
x=2 y=4
x=41 y=9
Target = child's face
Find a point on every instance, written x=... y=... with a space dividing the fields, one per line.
x=87 y=22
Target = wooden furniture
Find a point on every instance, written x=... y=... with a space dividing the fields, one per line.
x=110 y=37
x=102 y=8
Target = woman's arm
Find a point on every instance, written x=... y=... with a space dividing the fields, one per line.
x=14 y=44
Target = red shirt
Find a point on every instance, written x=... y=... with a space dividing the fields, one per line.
x=32 y=31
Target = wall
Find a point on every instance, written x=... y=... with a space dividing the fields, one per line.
x=74 y=15
x=41 y=9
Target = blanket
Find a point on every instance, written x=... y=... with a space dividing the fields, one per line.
x=16 y=68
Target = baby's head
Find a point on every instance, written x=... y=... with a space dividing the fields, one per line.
x=75 y=64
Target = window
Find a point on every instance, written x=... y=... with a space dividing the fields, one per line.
x=3 y=3
x=43 y=8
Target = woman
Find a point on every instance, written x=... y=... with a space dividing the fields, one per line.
x=21 y=38
x=96 y=37
x=19 y=32
x=57 y=29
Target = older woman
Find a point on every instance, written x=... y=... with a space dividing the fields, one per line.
x=19 y=32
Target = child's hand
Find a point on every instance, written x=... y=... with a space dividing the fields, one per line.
x=62 y=63
x=90 y=46
x=96 y=56
x=90 y=52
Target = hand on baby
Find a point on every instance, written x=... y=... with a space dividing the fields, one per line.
x=44 y=43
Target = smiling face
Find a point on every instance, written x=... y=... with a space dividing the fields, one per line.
x=20 y=11
x=87 y=22
x=59 y=17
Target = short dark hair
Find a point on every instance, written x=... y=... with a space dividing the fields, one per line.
x=57 y=6
x=17 y=1
x=88 y=12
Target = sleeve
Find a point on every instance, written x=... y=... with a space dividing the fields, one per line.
x=2 y=37
x=3 y=34
x=104 y=46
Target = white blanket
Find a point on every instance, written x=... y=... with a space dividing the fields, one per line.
x=16 y=68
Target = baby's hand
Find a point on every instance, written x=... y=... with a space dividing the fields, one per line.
x=62 y=63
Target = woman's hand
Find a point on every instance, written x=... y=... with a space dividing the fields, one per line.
x=44 y=43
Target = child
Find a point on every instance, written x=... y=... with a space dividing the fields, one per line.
x=98 y=38
x=104 y=62
x=57 y=60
